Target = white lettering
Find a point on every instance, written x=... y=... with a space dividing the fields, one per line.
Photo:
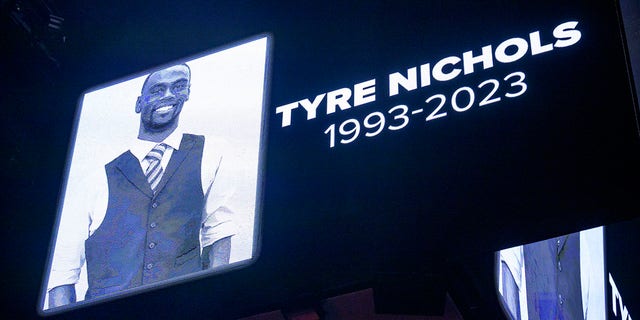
x=425 y=75
x=536 y=46
x=521 y=49
x=338 y=98
x=566 y=34
x=440 y=75
x=409 y=83
x=448 y=68
x=286 y=113
x=615 y=296
x=311 y=107
x=364 y=92
x=468 y=60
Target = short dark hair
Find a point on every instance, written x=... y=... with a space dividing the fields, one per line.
x=154 y=71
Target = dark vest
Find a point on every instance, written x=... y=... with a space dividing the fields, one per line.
x=552 y=270
x=145 y=238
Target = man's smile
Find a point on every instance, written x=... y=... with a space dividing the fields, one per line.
x=165 y=109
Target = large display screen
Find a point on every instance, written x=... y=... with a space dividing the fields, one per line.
x=402 y=136
x=558 y=278
x=163 y=179
x=589 y=274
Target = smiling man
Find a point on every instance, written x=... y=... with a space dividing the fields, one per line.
x=163 y=95
x=159 y=209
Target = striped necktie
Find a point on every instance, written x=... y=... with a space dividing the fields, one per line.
x=154 y=171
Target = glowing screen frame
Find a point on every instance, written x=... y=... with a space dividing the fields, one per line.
x=226 y=104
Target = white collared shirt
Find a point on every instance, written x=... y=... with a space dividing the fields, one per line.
x=69 y=255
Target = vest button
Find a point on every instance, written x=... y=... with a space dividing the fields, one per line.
x=153 y=225
x=152 y=245
x=149 y=266
x=154 y=205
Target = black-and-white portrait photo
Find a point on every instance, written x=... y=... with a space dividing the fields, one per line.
x=163 y=178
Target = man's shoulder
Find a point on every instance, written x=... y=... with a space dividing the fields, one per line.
x=122 y=157
x=193 y=137
x=209 y=142
x=189 y=141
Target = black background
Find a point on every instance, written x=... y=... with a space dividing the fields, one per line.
x=621 y=239
x=433 y=199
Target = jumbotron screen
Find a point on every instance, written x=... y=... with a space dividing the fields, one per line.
x=164 y=178
x=233 y=157
x=583 y=275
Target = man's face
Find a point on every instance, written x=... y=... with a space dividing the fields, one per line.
x=162 y=98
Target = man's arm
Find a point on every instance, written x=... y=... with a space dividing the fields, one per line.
x=79 y=217
x=62 y=295
x=217 y=215
x=217 y=254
